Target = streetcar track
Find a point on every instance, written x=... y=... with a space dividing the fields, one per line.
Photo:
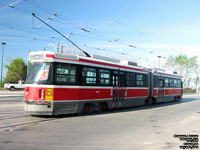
x=13 y=117
x=25 y=123
x=14 y=126
x=12 y=112
x=13 y=101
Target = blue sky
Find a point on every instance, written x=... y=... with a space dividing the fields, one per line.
x=154 y=27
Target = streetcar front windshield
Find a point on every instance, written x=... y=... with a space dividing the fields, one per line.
x=39 y=72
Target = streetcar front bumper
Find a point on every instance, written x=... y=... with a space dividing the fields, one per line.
x=32 y=107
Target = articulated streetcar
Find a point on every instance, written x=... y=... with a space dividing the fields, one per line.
x=60 y=83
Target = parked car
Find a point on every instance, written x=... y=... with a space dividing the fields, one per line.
x=12 y=87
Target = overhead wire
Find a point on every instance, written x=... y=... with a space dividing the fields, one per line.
x=87 y=36
x=10 y=5
x=32 y=37
x=118 y=17
x=47 y=10
x=126 y=4
x=10 y=35
x=82 y=29
x=38 y=27
x=15 y=28
x=29 y=12
x=38 y=6
x=54 y=15
x=127 y=26
x=13 y=37
x=62 y=35
x=108 y=50
x=89 y=30
x=50 y=18
x=24 y=27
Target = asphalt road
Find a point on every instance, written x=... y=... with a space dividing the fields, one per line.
x=146 y=127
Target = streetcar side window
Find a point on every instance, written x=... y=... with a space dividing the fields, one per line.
x=139 y=80
x=65 y=74
x=175 y=83
x=104 y=77
x=130 y=79
x=171 y=83
x=179 y=83
x=166 y=82
x=155 y=81
x=89 y=76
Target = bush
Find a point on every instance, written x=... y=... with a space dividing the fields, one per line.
x=189 y=90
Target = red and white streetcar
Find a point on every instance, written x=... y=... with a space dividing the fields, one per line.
x=59 y=83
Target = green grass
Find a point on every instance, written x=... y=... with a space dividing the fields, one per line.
x=1 y=85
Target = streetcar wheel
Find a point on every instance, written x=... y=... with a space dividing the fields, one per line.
x=86 y=109
x=148 y=101
x=100 y=107
x=178 y=99
x=175 y=99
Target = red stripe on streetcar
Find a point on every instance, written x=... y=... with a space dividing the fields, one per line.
x=111 y=65
x=64 y=94
x=96 y=62
x=50 y=55
x=167 y=92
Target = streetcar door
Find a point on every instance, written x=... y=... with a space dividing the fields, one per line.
x=118 y=89
x=160 y=90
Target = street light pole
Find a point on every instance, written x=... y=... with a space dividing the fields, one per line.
x=3 y=43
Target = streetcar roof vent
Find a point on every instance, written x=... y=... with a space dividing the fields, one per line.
x=126 y=62
x=175 y=72
x=36 y=56
x=106 y=58
x=159 y=69
x=66 y=56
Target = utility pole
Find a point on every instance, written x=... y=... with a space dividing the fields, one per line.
x=61 y=49
x=58 y=47
x=3 y=43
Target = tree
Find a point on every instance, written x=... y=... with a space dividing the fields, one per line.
x=182 y=64
x=17 y=70
x=196 y=82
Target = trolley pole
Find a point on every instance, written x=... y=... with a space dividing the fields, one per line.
x=3 y=43
x=61 y=35
x=159 y=61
